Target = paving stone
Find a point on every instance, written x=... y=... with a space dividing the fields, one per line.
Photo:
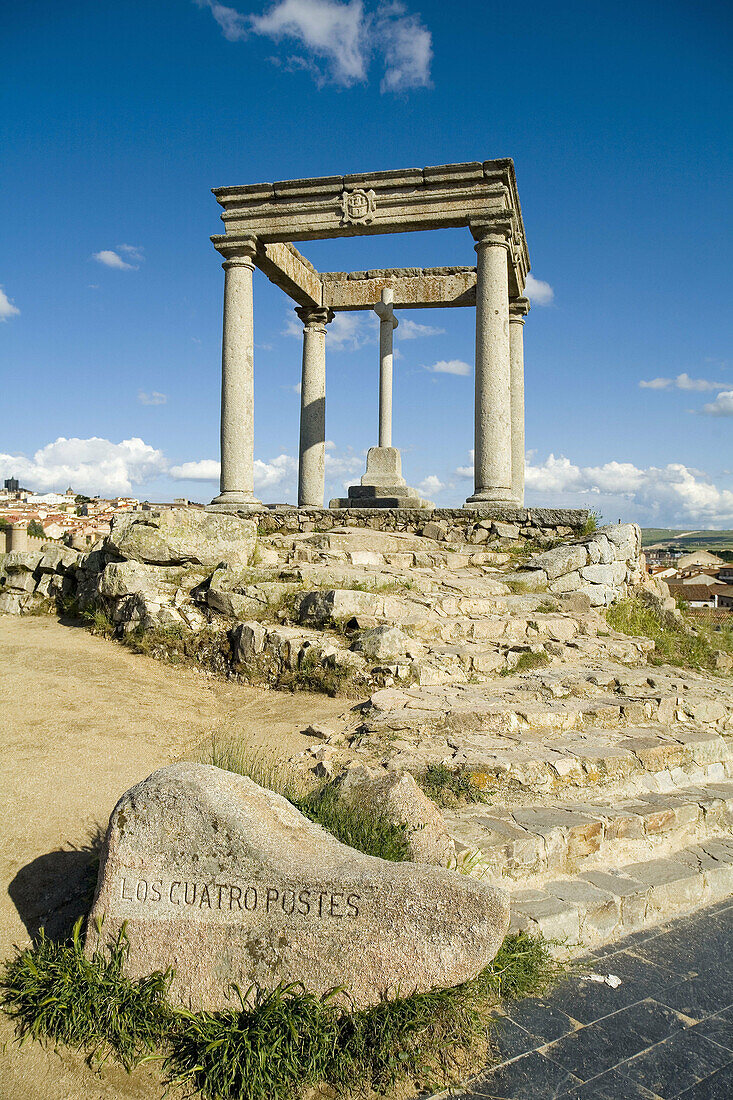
x=719 y=1086
x=610 y=1085
x=602 y=1044
x=709 y=992
x=526 y=1078
x=675 y=1064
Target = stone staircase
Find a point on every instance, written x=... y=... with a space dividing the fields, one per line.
x=608 y=783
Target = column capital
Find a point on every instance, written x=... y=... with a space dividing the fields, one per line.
x=494 y=230
x=315 y=315
x=518 y=309
x=236 y=253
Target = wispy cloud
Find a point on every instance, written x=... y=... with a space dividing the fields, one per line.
x=7 y=309
x=539 y=292
x=682 y=382
x=450 y=366
x=109 y=258
x=153 y=398
x=338 y=39
x=721 y=406
x=233 y=25
x=412 y=330
x=347 y=331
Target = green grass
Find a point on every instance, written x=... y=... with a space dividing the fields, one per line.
x=353 y=823
x=591 y=523
x=546 y=607
x=690 y=643
x=311 y=675
x=527 y=662
x=54 y=992
x=449 y=787
x=276 y=1043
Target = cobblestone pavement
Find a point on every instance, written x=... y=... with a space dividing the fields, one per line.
x=665 y=1031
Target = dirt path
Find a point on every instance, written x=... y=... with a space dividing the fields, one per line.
x=82 y=720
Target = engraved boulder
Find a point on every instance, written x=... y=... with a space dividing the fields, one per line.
x=228 y=883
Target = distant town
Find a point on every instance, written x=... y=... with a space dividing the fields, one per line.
x=70 y=517
x=698 y=578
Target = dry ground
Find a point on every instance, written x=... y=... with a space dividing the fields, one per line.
x=82 y=720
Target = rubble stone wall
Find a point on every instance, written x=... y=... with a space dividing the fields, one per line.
x=441 y=524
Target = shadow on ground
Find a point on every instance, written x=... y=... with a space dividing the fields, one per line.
x=54 y=890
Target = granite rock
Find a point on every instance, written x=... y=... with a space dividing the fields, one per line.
x=229 y=883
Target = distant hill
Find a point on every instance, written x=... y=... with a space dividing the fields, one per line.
x=686 y=540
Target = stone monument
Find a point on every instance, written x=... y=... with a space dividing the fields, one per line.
x=261 y=223
x=228 y=883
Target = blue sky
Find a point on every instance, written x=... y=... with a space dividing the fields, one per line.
x=118 y=118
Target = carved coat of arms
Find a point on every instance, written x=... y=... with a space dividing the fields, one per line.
x=358 y=206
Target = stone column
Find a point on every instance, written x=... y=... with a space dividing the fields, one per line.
x=493 y=434
x=518 y=310
x=388 y=323
x=237 y=382
x=312 y=455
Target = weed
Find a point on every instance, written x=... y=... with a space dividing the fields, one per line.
x=449 y=787
x=180 y=646
x=684 y=641
x=524 y=588
x=353 y=823
x=277 y=1042
x=547 y=607
x=53 y=991
x=591 y=524
x=311 y=675
x=526 y=662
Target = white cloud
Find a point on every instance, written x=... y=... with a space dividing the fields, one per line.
x=431 y=485
x=721 y=406
x=89 y=465
x=345 y=464
x=281 y=469
x=407 y=46
x=153 y=398
x=655 y=496
x=233 y=25
x=206 y=469
x=113 y=259
x=332 y=31
x=538 y=292
x=411 y=330
x=347 y=331
x=450 y=366
x=132 y=251
x=682 y=382
x=7 y=309
x=339 y=39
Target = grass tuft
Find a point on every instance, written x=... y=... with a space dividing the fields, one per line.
x=449 y=787
x=277 y=1043
x=527 y=662
x=358 y=825
x=686 y=641
x=54 y=992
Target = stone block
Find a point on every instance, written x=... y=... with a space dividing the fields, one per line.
x=248 y=640
x=401 y=801
x=563 y=559
x=672 y=885
x=568 y=582
x=183 y=536
x=384 y=643
x=504 y=530
x=229 y=883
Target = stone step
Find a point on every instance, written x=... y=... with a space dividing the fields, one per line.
x=529 y=844
x=601 y=905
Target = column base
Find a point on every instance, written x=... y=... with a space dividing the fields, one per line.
x=493 y=495
x=235 y=500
